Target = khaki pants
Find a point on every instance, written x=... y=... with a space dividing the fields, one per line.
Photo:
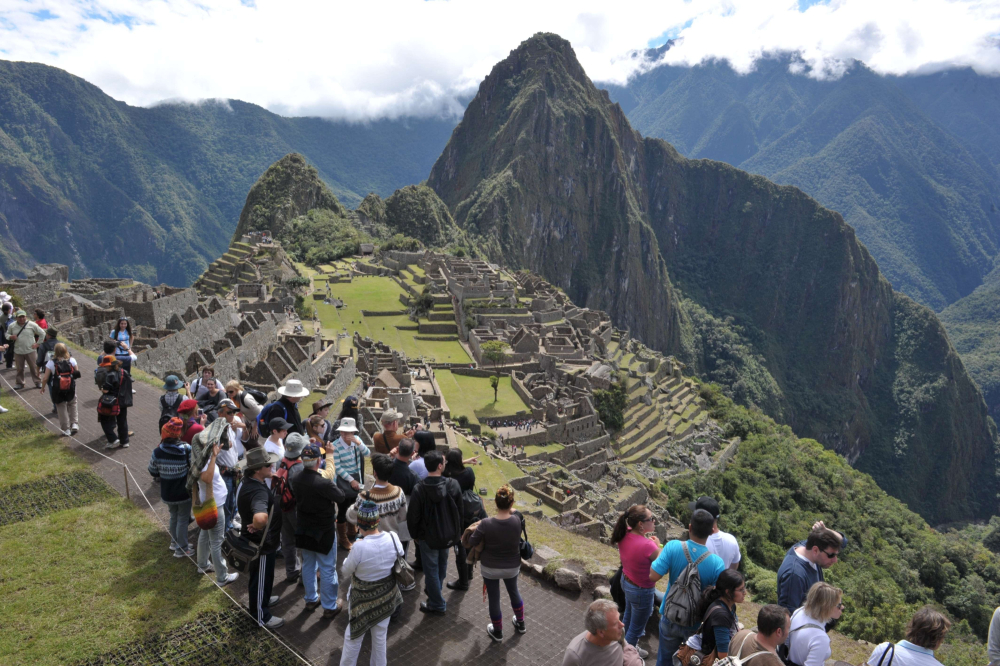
x=19 y=361
x=68 y=413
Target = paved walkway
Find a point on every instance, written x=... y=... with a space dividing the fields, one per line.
x=553 y=616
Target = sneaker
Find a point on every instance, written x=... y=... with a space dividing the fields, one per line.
x=67 y=433
x=495 y=634
x=180 y=552
x=273 y=600
x=133 y=390
x=75 y=428
x=173 y=547
x=18 y=387
x=408 y=588
x=229 y=579
x=111 y=445
x=274 y=623
x=3 y=410
x=520 y=628
x=642 y=653
x=124 y=445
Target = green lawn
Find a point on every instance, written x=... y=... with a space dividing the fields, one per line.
x=551 y=447
x=473 y=396
x=382 y=294
x=79 y=582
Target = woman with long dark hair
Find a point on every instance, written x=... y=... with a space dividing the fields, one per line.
x=637 y=548
x=349 y=411
x=122 y=335
x=718 y=610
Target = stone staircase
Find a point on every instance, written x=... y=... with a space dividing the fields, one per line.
x=231 y=268
x=674 y=407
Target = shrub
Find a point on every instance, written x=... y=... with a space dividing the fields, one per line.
x=462 y=420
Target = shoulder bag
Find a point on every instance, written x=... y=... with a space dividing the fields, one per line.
x=240 y=552
x=401 y=570
x=527 y=550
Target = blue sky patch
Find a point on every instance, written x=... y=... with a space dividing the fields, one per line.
x=44 y=15
x=806 y=4
x=667 y=35
x=115 y=19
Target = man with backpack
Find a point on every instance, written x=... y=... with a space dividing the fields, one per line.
x=286 y=407
x=289 y=467
x=691 y=567
x=434 y=518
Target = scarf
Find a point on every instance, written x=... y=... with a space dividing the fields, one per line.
x=370 y=602
x=201 y=449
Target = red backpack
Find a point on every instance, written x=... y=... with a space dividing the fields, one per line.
x=64 y=376
x=280 y=486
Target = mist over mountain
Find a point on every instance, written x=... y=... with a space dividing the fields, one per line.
x=545 y=172
x=155 y=193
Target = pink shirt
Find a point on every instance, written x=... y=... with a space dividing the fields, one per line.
x=637 y=552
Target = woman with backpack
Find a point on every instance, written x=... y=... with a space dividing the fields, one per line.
x=500 y=560
x=455 y=468
x=112 y=411
x=249 y=406
x=63 y=373
x=169 y=464
x=171 y=400
x=122 y=335
x=637 y=548
x=808 y=642
x=924 y=635
x=718 y=612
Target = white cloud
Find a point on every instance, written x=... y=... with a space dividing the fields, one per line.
x=387 y=58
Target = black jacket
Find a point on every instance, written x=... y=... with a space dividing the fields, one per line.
x=287 y=410
x=403 y=477
x=428 y=499
x=316 y=499
x=122 y=388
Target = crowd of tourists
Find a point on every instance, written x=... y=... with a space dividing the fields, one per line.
x=262 y=483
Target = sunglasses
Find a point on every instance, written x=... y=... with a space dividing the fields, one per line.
x=840 y=606
x=651 y=519
x=832 y=556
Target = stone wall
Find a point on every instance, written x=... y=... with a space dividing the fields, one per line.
x=343 y=379
x=155 y=312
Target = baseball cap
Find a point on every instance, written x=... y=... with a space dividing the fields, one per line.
x=278 y=423
x=311 y=451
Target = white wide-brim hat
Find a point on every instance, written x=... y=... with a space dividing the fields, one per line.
x=293 y=388
x=347 y=424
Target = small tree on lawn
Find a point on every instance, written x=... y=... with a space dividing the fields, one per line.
x=495 y=352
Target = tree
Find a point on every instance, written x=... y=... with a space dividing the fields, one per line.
x=611 y=406
x=495 y=351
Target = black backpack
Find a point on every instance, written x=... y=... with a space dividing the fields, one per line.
x=168 y=411
x=444 y=527
x=64 y=381
x=259 y=396
x=472 y=508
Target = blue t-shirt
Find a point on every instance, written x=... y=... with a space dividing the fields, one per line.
x=671 y=561
x=121 y=336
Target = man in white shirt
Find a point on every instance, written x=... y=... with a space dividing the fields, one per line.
x=721 y=543
x=229 y=456
x=275 y=442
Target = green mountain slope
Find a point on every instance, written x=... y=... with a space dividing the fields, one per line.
x=155 y=193
x=545 y=172
x=922 y=199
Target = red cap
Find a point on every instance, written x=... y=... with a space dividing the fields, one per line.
x=187 y=405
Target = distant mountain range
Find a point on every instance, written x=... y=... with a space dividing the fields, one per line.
x=155 y=193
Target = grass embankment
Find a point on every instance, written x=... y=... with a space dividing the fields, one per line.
x=473 y=396
x=78 y=582
x=381 y=294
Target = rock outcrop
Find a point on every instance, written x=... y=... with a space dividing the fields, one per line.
x=544 y=172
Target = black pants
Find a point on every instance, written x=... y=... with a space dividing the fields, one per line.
x=493 y=592
x=460 y=564
x=121 y=421
x=259 y=583
x=9 y=355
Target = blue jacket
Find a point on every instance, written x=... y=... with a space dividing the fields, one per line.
x=796 y=576
x=170 y=462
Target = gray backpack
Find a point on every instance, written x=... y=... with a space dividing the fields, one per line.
x=684 y=597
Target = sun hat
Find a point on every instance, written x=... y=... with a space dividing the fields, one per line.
x=294 y=444
x=390 y=415
x=172 y=383
x=311 y=452
x=278 y=423
x=347 y=424
x=293 y=388
x=256 y=459
x=321 y=403
x=367 y=515
x=187 y=405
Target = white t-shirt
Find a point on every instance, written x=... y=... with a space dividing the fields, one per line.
x=51 y=365
x=274 y=447
x=725 y=546
x=905 y=654
x=809 y=646
x=218 y=485
x=231 y=457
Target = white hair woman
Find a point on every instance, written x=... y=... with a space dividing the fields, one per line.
x=808 y=642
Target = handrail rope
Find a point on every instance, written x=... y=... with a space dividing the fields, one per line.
x=155 y=514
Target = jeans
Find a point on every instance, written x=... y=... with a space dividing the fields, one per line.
x=328 y=583
x=210 y=542
x=638 y=608
x=230 y=505
x=493 y=591
x=293 y=560
x=352 y=645
x=435 y=571
x=671 y=637
x=108 y=423
x=179 y=514
x=260 y=581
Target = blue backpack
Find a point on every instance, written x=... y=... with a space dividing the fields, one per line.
x=265 y=416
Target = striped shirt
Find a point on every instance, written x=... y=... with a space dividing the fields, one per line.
x=345 y=458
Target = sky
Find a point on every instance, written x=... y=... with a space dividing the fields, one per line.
x=390 y=58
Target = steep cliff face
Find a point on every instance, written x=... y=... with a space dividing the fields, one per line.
x=289 y=188
x=545 y=172
x=417 y=211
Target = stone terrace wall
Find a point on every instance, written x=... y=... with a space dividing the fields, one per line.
x=343 y=379
x=155 y=312
x=174 y=352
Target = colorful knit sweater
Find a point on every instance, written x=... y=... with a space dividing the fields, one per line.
x=170 y=462
x=391 y=504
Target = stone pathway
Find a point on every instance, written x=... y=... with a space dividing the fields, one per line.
x=553 y=616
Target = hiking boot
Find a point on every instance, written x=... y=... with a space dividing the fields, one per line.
x=495 y=634
x=111 y=445
x=520 y=628
x=274 y=623
x=457 y=585
x=330 y=613
x=229 y=579
x=343 y=542
x=312 y=605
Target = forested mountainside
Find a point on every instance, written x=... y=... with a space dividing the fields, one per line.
x=154 y=193
x=545 y=172
x=910 y=162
